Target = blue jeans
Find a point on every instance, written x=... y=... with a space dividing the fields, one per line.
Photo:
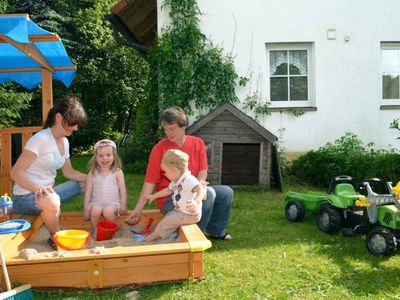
x=25 y=204
x=215 y=211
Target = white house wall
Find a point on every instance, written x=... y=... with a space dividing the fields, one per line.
x=347 y=89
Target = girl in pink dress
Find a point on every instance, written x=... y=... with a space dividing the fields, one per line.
x=105 y=195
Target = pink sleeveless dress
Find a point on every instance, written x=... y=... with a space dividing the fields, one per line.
x=105 y=190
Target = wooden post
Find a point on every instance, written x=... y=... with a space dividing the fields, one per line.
x=6 y=153
x=47 y=93
x=6 y=163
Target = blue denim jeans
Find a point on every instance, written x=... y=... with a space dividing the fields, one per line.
x=215 y=211
x=25 y=204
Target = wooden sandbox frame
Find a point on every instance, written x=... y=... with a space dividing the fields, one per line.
x=121 y=265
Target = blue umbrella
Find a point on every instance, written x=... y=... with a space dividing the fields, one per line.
x=26 y=49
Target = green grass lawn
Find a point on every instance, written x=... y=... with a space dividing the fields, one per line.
x=269 y=258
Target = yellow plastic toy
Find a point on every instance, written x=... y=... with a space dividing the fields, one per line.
x=396 y=190
x=71 y=239
x=362 y=202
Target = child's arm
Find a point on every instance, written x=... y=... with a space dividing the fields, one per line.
x=163 y=193
x=122 y=191
x=87 y=197
x=192 y=205
x=200 y=193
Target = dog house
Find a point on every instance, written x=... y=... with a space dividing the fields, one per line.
x=239 y=150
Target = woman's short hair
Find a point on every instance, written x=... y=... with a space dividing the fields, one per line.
x=71 y=110
x=174 y=115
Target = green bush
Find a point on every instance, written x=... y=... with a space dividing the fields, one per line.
x=346 y=156
x=145 y=135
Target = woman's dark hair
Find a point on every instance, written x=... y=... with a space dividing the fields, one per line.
x=71 y=110
x=175 y=115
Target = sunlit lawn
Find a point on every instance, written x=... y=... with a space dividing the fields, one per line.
x=270 y=258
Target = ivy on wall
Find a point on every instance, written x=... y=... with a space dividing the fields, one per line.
x=187 y=66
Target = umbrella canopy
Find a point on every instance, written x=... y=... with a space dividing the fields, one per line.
x=26 y=50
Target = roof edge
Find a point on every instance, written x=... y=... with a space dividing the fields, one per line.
x=237 y=113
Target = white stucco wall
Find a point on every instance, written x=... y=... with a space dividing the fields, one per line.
x=347 y=73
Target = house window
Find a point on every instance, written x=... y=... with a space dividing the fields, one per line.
x=290 y=74
x=390 y=53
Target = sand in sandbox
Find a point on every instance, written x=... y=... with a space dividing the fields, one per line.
x=122 y=237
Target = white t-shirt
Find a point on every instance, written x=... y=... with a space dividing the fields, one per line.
x=184 y=187
x=43 y=169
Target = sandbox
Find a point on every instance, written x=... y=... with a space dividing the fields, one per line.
x=139 y=264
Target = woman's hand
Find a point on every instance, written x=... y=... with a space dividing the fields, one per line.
x=123 y=210
x=204 y=183
x=133 y=218
x=149 y=198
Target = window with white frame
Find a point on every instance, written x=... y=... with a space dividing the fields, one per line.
x=390 y=53
x=290 y=74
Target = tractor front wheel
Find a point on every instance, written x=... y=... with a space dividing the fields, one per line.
x=329 y=219
x=381 y=241
x=295 y=211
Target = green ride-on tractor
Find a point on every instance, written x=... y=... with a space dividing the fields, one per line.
x=345 y=208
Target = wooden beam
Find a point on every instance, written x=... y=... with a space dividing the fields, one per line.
x=6 y=187
x=139 y=12
x=17 y=70
x=22 y=130
x=31 y=51
x=44 y=38
x=15 y=15
x=38 y=38
x=116 y=9
x=137 y=7
x=147 y=25
x=47 y=93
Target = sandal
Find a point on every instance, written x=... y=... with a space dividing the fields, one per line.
x=52 y=243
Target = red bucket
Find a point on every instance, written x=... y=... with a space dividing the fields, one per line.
x=106 y=230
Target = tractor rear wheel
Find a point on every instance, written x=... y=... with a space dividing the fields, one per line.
x=329 y=219
x=295 y=211
x=381 y=241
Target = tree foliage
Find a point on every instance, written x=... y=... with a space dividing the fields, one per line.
x=185 y=70
x=11 y=103
x=110 y=78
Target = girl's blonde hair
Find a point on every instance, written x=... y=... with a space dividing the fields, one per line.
x=93 y=165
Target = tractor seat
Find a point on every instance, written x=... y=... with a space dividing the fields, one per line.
x=345 y=189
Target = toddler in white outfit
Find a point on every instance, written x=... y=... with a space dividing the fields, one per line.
x=187 y=195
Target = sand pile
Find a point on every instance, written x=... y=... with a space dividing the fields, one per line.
x=39 y=248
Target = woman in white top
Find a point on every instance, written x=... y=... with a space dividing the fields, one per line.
x=36 y=168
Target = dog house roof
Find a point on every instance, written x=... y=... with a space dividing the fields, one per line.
x=238 y=114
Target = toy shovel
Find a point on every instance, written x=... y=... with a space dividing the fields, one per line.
x=146 y=229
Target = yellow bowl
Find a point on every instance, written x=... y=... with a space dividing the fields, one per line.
x=72 y=239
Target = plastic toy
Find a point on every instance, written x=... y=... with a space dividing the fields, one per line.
x=146 y=229
x=6 y=207
x=344 y=208
x=71 y=239
x=14 y=225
